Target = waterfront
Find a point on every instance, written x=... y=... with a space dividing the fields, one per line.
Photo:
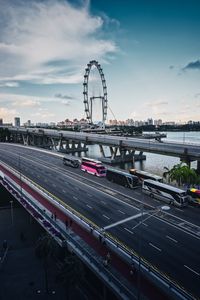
x=155 y=163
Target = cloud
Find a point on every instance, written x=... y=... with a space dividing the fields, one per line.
x=197 y=95
x=7 y=114
x=26 y=103
x=192 y=66
x=156 y=103
x=34 y=34
x=9 y=84
x=58 y=95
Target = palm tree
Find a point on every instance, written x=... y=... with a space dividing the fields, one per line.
x=44 y=249
x=182 y=174
x=71 y=273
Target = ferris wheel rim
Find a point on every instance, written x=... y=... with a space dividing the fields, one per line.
x=85 y=91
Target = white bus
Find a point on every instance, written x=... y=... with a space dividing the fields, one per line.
x=142 y=175
x=165 y=192
x=71 y=161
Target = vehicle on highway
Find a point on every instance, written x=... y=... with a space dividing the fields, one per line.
x=71 y=161
x=93 y=167
x=194 y=196
x=122 y=178
x=142 y=175
x=165 y=192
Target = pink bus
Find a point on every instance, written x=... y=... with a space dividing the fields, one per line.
x=93 y=167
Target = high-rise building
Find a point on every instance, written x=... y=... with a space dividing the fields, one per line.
x=17 y=122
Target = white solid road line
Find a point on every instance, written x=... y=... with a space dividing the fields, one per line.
x=192 y=270
x=170 y=238
x=152 y=245
x=89 y=206
x=106 y=217
x=121 y=212
x=128 y=230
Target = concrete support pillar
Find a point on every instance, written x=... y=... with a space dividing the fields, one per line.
x=111 y=150
x=101 y=150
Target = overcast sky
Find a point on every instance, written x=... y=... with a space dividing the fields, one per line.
x=149 y=51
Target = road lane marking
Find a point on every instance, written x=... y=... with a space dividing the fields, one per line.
x=89 y=206
x=128 y=230
x=106 y=217
x=75 y=198
x=191 y=270
x=145 y=224
x=45 y=180
x=179 y=209
x=152 y=245
x=170 y=238
x=137 y=193
x=76 y=188
x=103 y=202
x=64 y=191
x=54 y=185
x=121 y=212
x=89 y=195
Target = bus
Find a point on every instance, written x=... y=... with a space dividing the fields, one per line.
x=145 y=175
x=71 y=161
x=93 y=167
x=194 y=196
x=165 y=192
x=122 y=178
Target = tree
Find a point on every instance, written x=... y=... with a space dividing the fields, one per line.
x=71 y=273
x=181 y=174
x=44 y=249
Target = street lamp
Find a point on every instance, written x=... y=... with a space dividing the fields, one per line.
x=150 y=213
x=11 y=211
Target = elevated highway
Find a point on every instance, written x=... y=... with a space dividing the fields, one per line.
x=170 y=249
x=124 y=146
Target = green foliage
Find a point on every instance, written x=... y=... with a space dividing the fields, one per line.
x=181 y=174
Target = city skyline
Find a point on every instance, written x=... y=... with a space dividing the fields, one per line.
x=149 y=52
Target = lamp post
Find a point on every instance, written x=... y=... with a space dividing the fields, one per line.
x=11 y=211
x=150 y=214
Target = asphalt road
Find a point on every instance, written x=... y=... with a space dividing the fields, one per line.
x=170 y=249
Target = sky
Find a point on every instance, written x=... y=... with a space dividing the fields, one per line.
x=149 y=51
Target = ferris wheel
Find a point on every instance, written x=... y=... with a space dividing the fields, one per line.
x=88 y=101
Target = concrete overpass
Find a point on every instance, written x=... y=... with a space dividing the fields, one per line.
x=44 y=186
x=121 y=148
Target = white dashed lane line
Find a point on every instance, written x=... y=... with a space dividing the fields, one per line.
x=64 y=191
x=179 y=209
x=146 y=225
x=192 y=270
x=152 y=245
x=103 y=202
x=106 y=217
x=128 y=230
x=89 y=206
x=89 y=195
x=121 y=211
x=75 y=198
x=171 y=239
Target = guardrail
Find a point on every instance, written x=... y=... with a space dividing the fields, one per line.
x=114 y=243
